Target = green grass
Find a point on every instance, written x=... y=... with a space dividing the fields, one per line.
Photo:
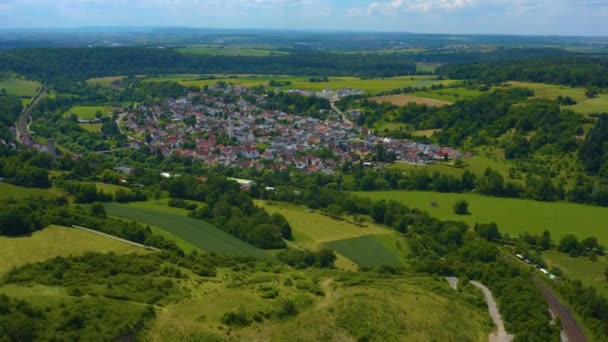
x=368 y=85
x=197 y=232
x=20 y=87
x=552 y=91
x=56 y=241
x=449 y=94
x=8 y=191
x=104 y=81
x=93 y=128
x=366 y=250
x=427 y=67
x=111 y=188
x=231 y=50
x=589 y=272
x=513 y=216
x=86 y=112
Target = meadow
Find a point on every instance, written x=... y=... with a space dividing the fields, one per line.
x=231 y=50
x=93 y=128
x=56 y=241
x=8 y=191
x=20 y=87
x=104 y=81
x=366 y=250
x=197 y=232
x=513 y=216
x=589 y=272
x=551 y=91
x=86 y=112
x=450 y=94
x=111 y=188
x=403 y=99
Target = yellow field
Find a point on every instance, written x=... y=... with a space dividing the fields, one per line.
x=56 y=241
x=402 y=100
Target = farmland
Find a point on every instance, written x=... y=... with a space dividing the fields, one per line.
x=513 y=216
x=56 y=241
x=93 y=128
x=86 y=112
x=402 y=100
x=20 y=87
x=111 y=188
x=589 y=272
x=550 y=91
x=366 y=250
x=104 y=81
x=197 y=232
x=231 y=50
x=8 y=191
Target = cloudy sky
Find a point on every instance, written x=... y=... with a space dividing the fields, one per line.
x=561 y=17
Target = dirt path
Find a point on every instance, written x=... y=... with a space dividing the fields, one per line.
x=330 y=294
x=572 y=330
x=22 y=123
x=501 y=334
x=117 y=238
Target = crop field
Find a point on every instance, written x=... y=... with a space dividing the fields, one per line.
x=231 y=50
x=8 y=191
x=56 y=241
x=20 y=87
x=86 y=112
x=403 y=99
x=513 y=216
x=368 y=85
x=589 y=272
x=552 y=91
x=366 y=250
x=104 y=81
x=449 y=95
x=197 y=232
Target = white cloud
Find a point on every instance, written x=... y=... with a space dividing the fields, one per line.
x=417 y=6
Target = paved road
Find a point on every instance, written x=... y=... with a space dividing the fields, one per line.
x=343 y=116
x=572 y=330
x=501 y=334
x=22 y=124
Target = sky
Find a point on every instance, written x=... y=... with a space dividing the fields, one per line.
x=538 y=17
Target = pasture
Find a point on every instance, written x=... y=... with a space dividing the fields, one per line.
x=450 y=94
x=589 y=272
x=8 y=191
x=93 y=128
x=551 y=91
x=86 y=112
x=513 y=216
x=231 y=50
x=111 y=188
x=371 y=86
x=20 y=87
x=368 y=250
x=403 y=100
x=56 y=241
x=104 y=81
x=197 y=232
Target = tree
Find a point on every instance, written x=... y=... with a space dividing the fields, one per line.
x=606 y=274
x=569 y=244
x=98 y=210
x=489 y=232
x=545 y=240
x=157 y=193
x=461 y=207
x=591 y=93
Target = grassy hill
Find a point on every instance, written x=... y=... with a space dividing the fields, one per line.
x=56 y=241
x=17 y=192
x=86 y=112
x=589 y=272
x=513 y=216
x=20 y=87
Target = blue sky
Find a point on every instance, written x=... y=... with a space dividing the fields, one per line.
x=561 y=17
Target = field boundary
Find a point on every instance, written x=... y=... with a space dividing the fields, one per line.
x=117 y=238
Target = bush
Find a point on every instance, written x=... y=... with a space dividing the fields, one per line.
x=236 y=318
x=461 y=207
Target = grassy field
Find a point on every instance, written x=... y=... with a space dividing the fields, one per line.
x=56 y=241
x=366 y=250
x=8 y=191
x=86 y=112
x=197 y=232
x=368 y=85
x=427 y=67
x=111 y=188
x=20 y=87
x=93 y=128
x=552 y=91
x=104 y=81
x=231 y=50
x=344 y=307
x=449 y=94
x=589 y=272
x=402 y=100
x=513 y=216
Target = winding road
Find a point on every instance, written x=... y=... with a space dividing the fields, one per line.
x=501 y=334
x=572 y=330
x=22 y=123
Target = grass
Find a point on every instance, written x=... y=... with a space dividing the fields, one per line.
x=552 y=91
x=197 y=232
x=335 y=83
x=104 y=81
x=589 y=272
x=93 y=128
x=427 y=67
x=111 y=188
x=8 y=191
x=402 y=100
x=449 y=94
x=20 y=87
x=366 y=250
x=56 y=241
x=513 y=216
x=86 y=112
x=231 y=50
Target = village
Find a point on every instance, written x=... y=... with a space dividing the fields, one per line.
x=207 y=127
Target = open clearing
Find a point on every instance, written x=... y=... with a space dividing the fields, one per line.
x=197 y=232
x=93 y=128
x=111 y=188
x=402 y=100
x=513 y=216
x=582 y=268
x=86 y=112
x=20 y=87
x=366 y=250
x=56 y=241
x=8 y=191
x=231 y=50
x=551 y=91
x=104 y=81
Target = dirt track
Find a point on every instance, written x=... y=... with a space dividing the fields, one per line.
x=22 y=123
x=501 y=334
x=569 y=324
